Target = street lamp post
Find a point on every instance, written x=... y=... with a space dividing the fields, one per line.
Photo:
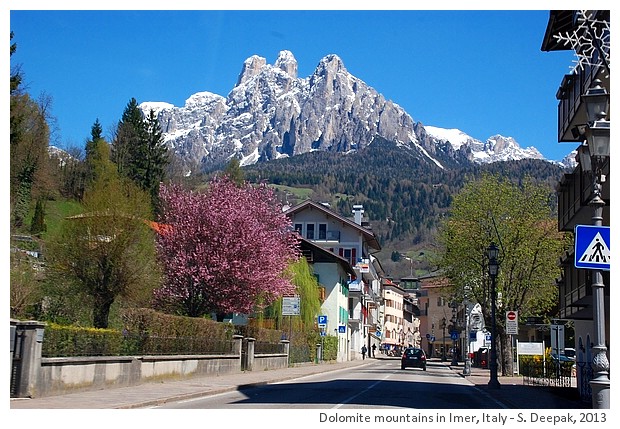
x=455 y=361
x=443 y=340
x=467 y=367
x=493 y=253
x=597 y=133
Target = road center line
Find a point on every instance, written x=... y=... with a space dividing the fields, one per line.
x=346 y=401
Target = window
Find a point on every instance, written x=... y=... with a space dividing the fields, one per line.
x=310 y=231
x=322 y=231
x=299 y=228
x=350 y=254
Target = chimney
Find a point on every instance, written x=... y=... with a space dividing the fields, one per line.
x=358 y=211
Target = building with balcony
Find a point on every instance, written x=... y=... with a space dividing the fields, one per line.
x=355 y=305
x=435 y=315
x=575 y=190
x=393 y=331
x=332 y=273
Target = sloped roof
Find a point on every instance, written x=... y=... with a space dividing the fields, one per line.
x=560 y=21
x=369 y=236
x=326 y=255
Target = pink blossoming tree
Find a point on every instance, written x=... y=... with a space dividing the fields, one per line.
x=224 y=249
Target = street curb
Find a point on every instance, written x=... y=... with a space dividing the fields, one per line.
x=481 y=390
x=212 y=392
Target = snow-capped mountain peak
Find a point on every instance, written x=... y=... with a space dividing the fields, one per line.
x=272 y=113
x=457 y=138
x=495 y=148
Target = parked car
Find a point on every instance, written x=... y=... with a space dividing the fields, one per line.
x=570 y=353
x=562 y=358
x=413 y=357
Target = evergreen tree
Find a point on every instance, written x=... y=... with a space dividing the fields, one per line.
x=234 y=172
x=96 y=131
x=129 y=137
x=37 y=226
x=154 y=161
x=139 y=152
x=16 y=77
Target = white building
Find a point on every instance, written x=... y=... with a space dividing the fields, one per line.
x=351 y=306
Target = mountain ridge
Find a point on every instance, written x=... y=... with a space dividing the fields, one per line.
x=272 y=113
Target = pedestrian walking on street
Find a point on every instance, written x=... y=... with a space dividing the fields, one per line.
x=364 y=350
x=374 y=347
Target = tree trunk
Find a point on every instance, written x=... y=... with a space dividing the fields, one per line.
x=101 y=310
x=505 y=355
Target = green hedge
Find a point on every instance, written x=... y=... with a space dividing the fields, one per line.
x=77 y=341
x=147 y=322
x=146 y=331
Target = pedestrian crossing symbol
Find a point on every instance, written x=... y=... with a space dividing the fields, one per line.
x=592 y=247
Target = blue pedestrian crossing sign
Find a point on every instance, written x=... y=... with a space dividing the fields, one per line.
x=592 y=247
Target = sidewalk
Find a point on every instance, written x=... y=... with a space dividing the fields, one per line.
x=512 y=394
x=157 y=393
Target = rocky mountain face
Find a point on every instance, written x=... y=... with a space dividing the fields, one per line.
x=273 y=113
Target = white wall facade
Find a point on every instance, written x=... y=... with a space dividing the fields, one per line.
x=335 y=306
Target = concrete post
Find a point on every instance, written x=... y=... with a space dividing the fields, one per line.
x=30 y=333
x=13 y=335
x=237 y=340
x=287 y=347
x=250 y=354
x=319 y=352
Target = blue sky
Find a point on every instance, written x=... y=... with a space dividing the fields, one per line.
x=479 y=71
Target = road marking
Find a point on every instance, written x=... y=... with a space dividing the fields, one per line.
x=346 y=401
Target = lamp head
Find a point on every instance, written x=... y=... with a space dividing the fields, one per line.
x=596 y=100
x=493 y=252
x=598 y=136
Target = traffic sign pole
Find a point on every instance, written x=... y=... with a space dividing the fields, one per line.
x=512 y=322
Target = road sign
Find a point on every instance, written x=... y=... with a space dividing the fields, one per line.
x=322 y=320
x=530 y=348
x=454 y=335
x=592 y=247
x=557 y=339
x=342 y=329
x=512 y=322
x=378 y=334
x=487 y=340
x=291 y=305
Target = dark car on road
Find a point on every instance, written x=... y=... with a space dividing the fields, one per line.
x=413 y=357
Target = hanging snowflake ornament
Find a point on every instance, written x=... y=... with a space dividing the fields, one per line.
x=590 y=41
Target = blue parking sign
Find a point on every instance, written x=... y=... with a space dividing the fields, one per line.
x=592 y=247
x=322 y=320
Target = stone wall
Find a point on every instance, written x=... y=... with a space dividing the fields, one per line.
x=33 y=376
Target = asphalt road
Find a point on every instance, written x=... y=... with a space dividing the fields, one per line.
x=380 y=384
